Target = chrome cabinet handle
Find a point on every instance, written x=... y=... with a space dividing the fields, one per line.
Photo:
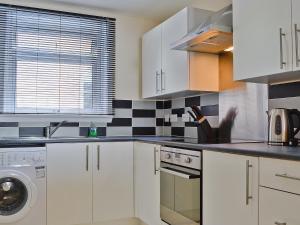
x=282 y=63
x=277 y=223
x=284 y=175
x=297 y=45
x=87 y=158
x=98 y=157
x=156 y=81
x=248 y=197
x=163 y=80
x=155 y=166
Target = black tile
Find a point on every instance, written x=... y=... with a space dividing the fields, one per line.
x=159 y=105
x=284 y=90
x=143 y=113
x=177 y=131
x=179 y=112
x=159 y=122
x=210 y=110
x=67 y=124
x=168 y=104
x=192 y=101
x=31 y=131
x=122 y=104
x=143 y=131
x=9 y=124
x=84 y=131
x=120 y=122
x=191 y=124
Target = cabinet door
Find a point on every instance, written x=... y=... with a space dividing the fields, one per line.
x=147 y=198
x=296 y=33
x=175 y=74
x=69 y=184
x=151 y=63
x=230 y=189
x=113 y=181
x=256 y=35
x=277 y=207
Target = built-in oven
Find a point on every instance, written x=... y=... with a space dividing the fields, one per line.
x=180 y=186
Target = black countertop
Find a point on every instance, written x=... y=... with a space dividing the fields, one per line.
x=239 y=147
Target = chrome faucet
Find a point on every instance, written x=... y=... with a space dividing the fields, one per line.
x=50 y=132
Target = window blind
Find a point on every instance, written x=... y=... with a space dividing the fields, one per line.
x=56 y=62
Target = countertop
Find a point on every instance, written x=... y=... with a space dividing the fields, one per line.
x=245 y=148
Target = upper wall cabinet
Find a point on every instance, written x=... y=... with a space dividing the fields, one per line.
x=167 y=71
x=266 y=40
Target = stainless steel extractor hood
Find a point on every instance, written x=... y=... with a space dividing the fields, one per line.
x=212 y=36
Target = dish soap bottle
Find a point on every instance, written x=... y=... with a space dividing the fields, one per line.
x=92 y=130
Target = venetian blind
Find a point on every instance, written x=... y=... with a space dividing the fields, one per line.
x=56 y=62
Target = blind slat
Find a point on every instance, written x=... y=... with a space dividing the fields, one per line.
x=55 y=62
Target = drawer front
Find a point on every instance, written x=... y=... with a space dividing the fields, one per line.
x=278 y=207
x=280 y=174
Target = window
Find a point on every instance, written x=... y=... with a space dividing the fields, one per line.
x=55 y=62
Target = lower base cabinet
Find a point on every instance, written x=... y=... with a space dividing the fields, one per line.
x=278 y=207
x=89 y=182
x=230 y=189
x=147 y=180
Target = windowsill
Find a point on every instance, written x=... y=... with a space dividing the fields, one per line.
x=54 y=118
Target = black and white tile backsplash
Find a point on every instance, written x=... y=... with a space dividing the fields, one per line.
x=131 y=118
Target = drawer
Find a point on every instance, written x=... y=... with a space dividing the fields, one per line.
x=280 y=174
x=278 y=207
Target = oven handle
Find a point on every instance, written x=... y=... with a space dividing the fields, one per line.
x=175 y=172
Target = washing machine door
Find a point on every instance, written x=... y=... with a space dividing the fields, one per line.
x=17 y=196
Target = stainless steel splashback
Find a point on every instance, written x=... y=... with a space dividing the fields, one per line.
x=251 y=102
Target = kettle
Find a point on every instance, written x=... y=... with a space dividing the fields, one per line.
x=282 y=127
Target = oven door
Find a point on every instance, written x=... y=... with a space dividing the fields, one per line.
x=180 y=195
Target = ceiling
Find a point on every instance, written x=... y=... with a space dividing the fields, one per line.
x=152 y=9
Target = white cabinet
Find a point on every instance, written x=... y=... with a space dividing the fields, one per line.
x=151 y=60
x=277 y=207
x=69 y=184
x=296 y=33
x=256 y=33
x=89 y=182
x=230 y=189
x=147 y=180
x=113 y=181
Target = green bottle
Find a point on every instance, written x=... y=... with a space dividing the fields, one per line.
x=92 y=130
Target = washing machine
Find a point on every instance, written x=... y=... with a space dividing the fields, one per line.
x=23 y=185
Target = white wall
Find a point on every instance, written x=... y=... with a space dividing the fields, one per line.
x=129 y=30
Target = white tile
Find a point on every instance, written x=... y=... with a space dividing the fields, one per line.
x=34 y=124
x=178 y=103
x=159 y=131
x=143 y=122
x=209 y=99
x=9 y=131
x=118 y=131
x=67 y=132
x=160 y=113
x=167 y=131
x=190 y=132
x=173 y=118
x=123 y=113
x=144 y=104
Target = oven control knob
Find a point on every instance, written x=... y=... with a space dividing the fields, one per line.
x=168 y=156
x=188 y=160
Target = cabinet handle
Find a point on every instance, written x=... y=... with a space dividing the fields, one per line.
x=277 y=223
x=155 y=166
x=248 y=197
x=157 y=75
x=297 y=44
x=163 y=81
x=98 y=157
x=287 y=176
x=282 y=63
x=87 y=158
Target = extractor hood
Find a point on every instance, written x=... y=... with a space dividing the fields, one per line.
x=212 y=36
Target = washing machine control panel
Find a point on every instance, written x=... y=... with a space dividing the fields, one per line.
x=22 y=158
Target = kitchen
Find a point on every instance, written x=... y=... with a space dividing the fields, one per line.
x=149 y=112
